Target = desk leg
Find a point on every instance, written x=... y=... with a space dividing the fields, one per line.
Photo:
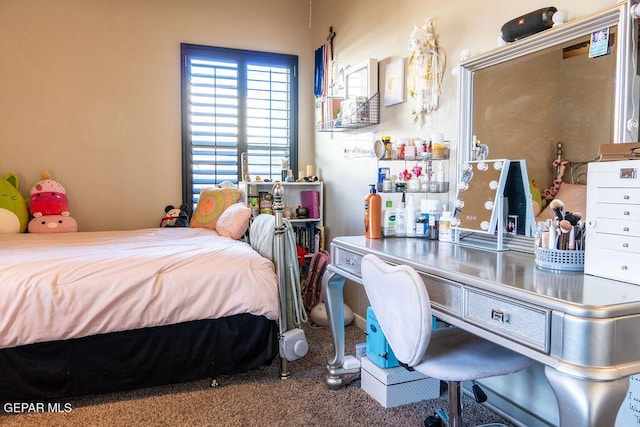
x=332 y=289
x=586 y=403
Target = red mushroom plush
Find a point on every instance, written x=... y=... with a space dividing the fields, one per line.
x=49 y=207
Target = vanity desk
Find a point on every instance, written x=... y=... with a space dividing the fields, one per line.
x=582 y=328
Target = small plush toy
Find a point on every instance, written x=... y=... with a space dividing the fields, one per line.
x=53 y=224
x=175 y=217
x=13 y=208
x=538 y=202
x=49 y=207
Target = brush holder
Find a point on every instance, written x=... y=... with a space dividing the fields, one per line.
x=555 y=259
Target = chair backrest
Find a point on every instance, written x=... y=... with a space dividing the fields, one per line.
x=401 y=304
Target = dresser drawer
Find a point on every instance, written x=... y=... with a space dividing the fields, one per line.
x=614 y=242
x=615 y=210
x=612 y=226
x=525 y=324
x=615 y=174
x=348 y=261
x=612 y=264
x=627 y=195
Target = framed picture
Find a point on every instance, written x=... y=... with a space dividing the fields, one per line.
x=362 y=79
x=394 y=83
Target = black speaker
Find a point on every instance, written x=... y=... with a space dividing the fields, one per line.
x=526 y=25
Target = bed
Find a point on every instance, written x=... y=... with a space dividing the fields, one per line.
x=94 y=312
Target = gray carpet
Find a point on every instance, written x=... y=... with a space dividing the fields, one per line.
x=256 y=398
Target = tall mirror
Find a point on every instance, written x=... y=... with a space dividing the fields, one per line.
x=523 y=98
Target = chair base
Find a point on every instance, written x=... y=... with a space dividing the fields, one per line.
x=454 y=418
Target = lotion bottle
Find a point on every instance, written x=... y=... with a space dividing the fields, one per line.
x=372 y=214
x=410 y=218
x=388 y=219
x=401 y=224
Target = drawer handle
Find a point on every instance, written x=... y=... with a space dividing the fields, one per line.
x=626 y=213
x=625 y=245
x=625 y=229
x=626 y=197
x=624 y=268
x=500 y=316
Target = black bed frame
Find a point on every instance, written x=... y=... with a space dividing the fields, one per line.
x=139 y=358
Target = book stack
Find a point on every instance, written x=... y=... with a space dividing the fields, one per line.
x=309 y=237
x=310 y=199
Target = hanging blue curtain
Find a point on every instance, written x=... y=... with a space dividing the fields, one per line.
x=320 y=66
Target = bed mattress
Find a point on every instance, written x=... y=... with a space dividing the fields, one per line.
x=63 y=286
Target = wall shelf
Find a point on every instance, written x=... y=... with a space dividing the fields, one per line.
x=366 y=113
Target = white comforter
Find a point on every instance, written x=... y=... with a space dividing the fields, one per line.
x=61 y=286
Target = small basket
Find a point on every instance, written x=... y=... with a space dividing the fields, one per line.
x=560 y=259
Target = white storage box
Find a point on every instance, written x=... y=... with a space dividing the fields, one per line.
x=396 y=386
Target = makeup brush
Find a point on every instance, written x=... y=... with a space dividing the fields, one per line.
x=565 y=231
x=557 y=206
x=573 y=217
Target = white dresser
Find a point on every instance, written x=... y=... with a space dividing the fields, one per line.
x=613 y=221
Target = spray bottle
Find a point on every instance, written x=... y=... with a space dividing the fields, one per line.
x=372 y=213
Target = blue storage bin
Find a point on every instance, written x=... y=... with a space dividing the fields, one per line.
x=378 y=350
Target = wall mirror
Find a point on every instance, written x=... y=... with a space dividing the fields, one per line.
x=523 y=98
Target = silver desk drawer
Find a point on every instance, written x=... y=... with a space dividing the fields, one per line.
x=348 y=261
x=444 y=294
x=525 y=324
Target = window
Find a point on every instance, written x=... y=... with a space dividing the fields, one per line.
x=236 y=101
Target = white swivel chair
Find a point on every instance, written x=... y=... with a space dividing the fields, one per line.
x=401 y=303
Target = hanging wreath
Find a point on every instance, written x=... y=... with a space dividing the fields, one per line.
x=426 y=66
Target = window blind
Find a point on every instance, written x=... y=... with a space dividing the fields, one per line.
x=236 y=101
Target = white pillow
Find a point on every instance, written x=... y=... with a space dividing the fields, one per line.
x=234 y=221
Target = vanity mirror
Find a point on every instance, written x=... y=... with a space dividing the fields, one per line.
x=493 y=196
x=523 y=98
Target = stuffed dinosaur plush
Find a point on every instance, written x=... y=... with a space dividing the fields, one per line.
x=538 y=202
x=13 y=208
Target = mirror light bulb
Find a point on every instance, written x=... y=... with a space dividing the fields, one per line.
x=559 y=17
x=493 y=185
x=488 y=205
x=497 y=166
x=484 y=225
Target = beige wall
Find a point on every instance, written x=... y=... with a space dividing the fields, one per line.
x=90 y=90
x=381 y=29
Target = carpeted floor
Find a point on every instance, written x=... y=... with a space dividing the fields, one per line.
x=256 y=398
